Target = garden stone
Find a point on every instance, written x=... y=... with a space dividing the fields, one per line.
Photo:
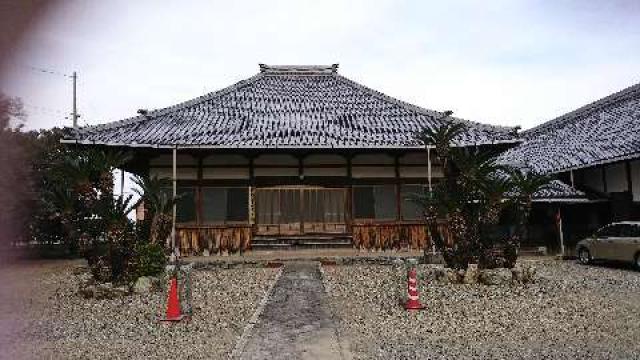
x=529 y=274
x=471 y=275
x=87 y=291
x=439 y=275
x=453 y=276
x=517 y=274
x=398 y=262
x=498 y=276
x=143 y=285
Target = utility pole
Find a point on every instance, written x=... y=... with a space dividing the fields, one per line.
x=74 y=114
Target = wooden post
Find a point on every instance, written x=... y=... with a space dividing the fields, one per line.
x=559 y=220
x=396 y=166
x=122 y=183
x=573 y=184
x=174 y=180
x=199 y=176
x=429 y=168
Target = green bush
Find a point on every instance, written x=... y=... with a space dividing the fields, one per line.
x=151 y=259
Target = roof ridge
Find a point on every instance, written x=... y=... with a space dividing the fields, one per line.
x=611 y=99
x=418 y=109
x=299 y=69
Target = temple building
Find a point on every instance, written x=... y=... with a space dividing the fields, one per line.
x=294 y=155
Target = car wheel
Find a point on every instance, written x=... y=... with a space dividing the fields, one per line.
x=584 y=256
x=636 y=263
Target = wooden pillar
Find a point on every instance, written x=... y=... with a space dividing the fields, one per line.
x=349 y=200
x=398 y=187
x=122 y=183
x=560 y=232
x=199 y=214
x=174 y=180
x=252 y=200
x=573 y=184
x=429 y=168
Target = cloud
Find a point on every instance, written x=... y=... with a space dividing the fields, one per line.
x=502 y=62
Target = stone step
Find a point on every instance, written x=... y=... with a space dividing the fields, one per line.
x=300 y=242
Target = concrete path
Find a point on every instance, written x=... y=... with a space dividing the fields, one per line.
x=296 y=322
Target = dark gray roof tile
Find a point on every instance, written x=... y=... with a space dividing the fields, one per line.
x=604 y=131
x=287 y=106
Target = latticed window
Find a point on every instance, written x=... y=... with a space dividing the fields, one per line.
x=225 y=204
x=375 y=202
x=186 y=204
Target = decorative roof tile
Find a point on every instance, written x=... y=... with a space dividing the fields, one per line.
x=601 y=132
x=293 y=106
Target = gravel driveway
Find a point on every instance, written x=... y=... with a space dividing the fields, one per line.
x=572 y=312
x=51 y=321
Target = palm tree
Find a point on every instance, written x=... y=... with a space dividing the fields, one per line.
x=107 y=161
x=525 y=184
x=153 y=191
x=442 y=137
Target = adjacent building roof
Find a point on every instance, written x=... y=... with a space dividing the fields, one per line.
x=558 y=191
x=286 y=106
x=601 y=132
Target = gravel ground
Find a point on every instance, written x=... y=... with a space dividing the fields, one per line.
x=572 y=311
x=54 y=322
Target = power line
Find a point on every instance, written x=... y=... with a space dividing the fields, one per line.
x=46 y=71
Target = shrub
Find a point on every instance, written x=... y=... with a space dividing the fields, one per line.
x=150 y=259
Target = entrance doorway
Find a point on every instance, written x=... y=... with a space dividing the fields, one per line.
x=291 y=211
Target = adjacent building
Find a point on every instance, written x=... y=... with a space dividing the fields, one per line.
x=595 y=149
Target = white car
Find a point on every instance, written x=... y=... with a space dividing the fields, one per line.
x=618 y=241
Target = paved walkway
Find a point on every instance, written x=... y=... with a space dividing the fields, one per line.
x=296 y=322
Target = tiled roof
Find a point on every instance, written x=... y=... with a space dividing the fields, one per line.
x=604 y=131
x=556 y=189
x=286 y=106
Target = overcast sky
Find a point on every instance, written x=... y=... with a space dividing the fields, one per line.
x=501 y=62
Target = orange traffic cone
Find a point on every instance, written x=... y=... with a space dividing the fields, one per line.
x=413 y=301
x=173 y=303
